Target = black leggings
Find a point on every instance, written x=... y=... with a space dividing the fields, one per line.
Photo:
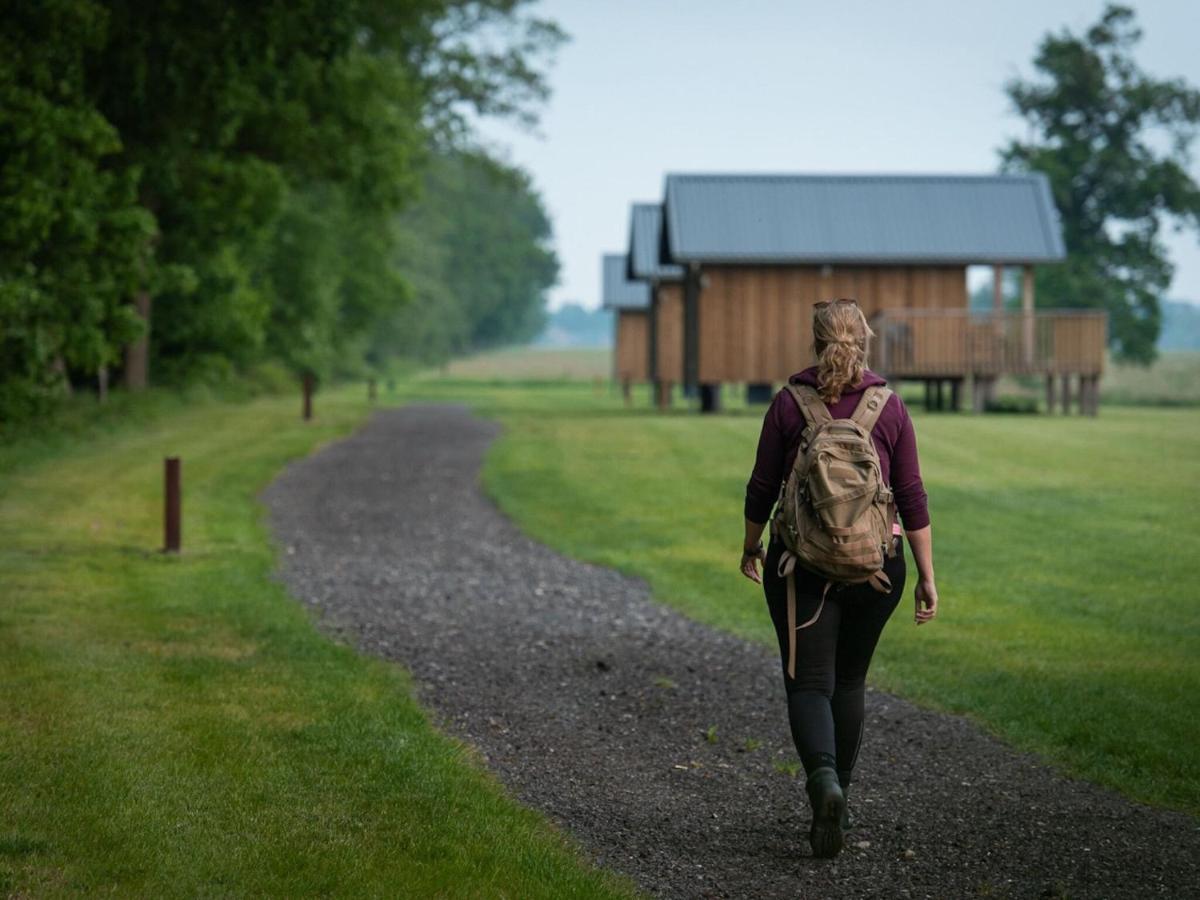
x=825 y=699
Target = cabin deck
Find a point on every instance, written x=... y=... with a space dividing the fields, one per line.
x=951 y=345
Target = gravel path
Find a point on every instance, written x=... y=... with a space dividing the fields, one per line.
x=591 y=703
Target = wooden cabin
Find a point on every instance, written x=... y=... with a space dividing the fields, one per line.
x=629 y=301
x=665 y=311
x=757 y=252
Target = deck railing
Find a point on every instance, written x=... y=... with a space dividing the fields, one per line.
x=957 y=342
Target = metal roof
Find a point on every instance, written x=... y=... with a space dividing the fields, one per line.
x=952 y=219
x=617 y=291
x=645 y=245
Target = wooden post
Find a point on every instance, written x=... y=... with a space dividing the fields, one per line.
x=1066 y=394
x=956 y=394
x=1089 y=390
x=172 y=506
x=307 y=386
x=998 y=288
x=1027 y=314
x=627 y=391
x=710 y=398
x=928 y=395
x=691 y=326
x=1049 y=393
x=941 y=403
x=758 y=392
x=663 y=394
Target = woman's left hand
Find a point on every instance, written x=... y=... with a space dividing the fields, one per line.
x=750 y=564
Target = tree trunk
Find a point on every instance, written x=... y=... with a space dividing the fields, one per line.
x=137 y=354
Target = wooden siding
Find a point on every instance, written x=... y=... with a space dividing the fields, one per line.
x=931 y=343
x=668 y=332
x=631 y=356
x=755 y=323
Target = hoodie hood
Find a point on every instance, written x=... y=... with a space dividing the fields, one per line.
x=809 y=376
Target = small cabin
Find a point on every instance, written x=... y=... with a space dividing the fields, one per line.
x=630 y=302
x=665 y=310
x=758 y=251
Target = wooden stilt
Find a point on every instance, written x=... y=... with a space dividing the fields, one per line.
x=1049 y=394
x=956 y=395
x=1066 y=395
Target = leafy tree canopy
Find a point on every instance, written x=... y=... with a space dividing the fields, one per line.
x=1114 y=143
x=244 y=164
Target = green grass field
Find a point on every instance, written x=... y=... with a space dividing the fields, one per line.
x=1065 y=548
x=175 y=726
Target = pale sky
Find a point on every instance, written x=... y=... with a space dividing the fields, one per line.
x=656 y=86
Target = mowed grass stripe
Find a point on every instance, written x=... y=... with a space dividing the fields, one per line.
x=1066 y=551
x=177 y=727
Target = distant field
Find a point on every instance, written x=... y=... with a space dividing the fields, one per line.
x=532 y=364
x=1173 y=380
x=1070 y=621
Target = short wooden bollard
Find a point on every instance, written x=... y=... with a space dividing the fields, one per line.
x=172 y=506
x=308 y=395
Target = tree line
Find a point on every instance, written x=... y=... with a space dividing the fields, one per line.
x=190 y=189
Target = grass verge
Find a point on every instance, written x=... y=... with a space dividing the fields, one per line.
x=1065 y=548
x=174 y=726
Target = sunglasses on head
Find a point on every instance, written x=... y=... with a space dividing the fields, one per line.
x=825 y=303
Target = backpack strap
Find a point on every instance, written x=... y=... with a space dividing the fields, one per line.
x=812 y=407
x=873 y=400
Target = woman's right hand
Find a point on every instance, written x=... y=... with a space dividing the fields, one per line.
x=926 y=600
x=750 y=563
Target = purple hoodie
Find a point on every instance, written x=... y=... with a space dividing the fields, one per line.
x=893 y=436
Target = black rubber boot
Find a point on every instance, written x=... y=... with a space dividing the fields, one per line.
x=828 y=807
x=844 y=781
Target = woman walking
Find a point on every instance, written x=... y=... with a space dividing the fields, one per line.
x=827 y=626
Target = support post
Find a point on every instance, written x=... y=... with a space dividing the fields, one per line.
x=1066 y=394
x=976 y=394
x=998 y=288
x=758 y=392
x=1027 y=314
x=627 y=391
x=1049 y=393
x=172 y=505
x=941 y=400
x=691 y=326
x=307 y=386
x=710 y=398
x=928 y=395
x=663 y=394
x=956 y=394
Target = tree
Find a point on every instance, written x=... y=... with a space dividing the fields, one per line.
x=475 y=249
x=1114 y=143
x=73 y=240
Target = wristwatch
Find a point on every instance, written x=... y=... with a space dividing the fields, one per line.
x=753 y=552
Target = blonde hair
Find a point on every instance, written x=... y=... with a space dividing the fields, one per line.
x=842 y=340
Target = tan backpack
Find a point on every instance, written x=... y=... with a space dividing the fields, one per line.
x=835 y=515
